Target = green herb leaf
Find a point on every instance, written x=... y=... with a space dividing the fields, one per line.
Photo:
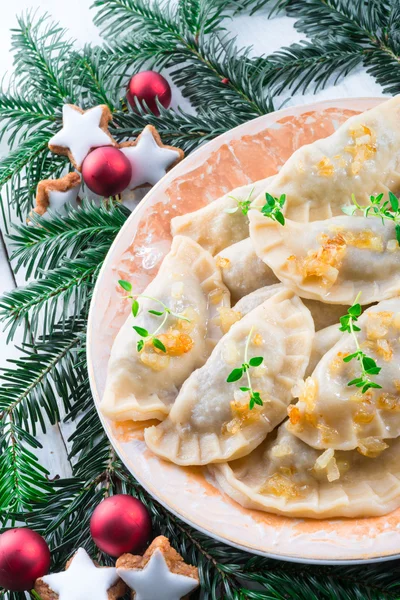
x=158 y=344
x=350 y=357
x=394 y=203
x=125 y=285
x=139 y=345
x=156 y=312
x=256 y=361
x=257 y=399
x=244 y=389
x=270 y=200
x=349 y=210
x=355 y=310
x=397 y=229
x=135 y=307
x=368 y=363
x=272 y=208
x=141 y=331
x=235 y=375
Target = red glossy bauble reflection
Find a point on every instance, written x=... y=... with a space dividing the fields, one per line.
x=148 y=86
x=106 y=171
x=120 y=524
x=24 y=556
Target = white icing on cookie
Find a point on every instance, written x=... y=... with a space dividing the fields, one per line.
x=58 y=199
x=157 y=581
x=149 y=161
x=81 y=132
x=82 y=580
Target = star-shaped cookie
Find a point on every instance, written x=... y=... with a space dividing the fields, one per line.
x=160 y=573
x=81 y=579
x=82 y=130
x=149 y=157
x=54 y=193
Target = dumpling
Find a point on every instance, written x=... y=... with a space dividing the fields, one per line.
x=332 y=414
x=331 y=260
x=323 y=314
x=285 y=476
x=251 y=301
x=242 y=271
x=214 y=228
x=211 y=420
x=143 y=385
x=362 y=157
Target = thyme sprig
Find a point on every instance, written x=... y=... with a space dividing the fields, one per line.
x=238 y=373
x=387 y=210
x=367 y=364
x=144 y=333
x=273 y=208
x=243 y=205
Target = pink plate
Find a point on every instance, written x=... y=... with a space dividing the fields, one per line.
x=252 y=151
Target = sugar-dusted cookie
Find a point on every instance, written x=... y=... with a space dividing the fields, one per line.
x=54 y=193
x=82 y=130
x=149 y=157
x=160 y=573
x=82 y=578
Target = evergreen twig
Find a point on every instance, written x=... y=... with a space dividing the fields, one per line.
x=226 y=85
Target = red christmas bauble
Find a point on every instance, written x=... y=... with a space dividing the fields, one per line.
x=24 y=556
x=106 y=171
x=146 y=86
x=120 y=524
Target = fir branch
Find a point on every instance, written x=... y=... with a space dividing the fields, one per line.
x=358 y=20
x=202 y=16
x=21 y=116
x=62 y=293
x=212 y=62
x=43 y=246
x=22 y=156
x=176 y=128
x=371 y=25
x=23 y=481
x=34 y=382
x=311 y=64
x=31 y=389
x=224 y=78
x=98 y=75
x=40 y=49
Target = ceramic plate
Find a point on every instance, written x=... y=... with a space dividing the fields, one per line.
x=252 y=151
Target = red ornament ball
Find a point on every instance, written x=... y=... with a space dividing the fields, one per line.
x=120 y=524
x=148 y=86
x=106 y=171
x=24 y=556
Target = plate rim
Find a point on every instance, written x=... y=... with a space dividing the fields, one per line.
x=287 y=111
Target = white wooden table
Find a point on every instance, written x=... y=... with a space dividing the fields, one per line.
x=265 y=35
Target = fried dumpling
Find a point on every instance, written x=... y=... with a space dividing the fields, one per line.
x=362 y=157
x=331 y=260
x=143 y=385
x=332 y=414
x=212 y=226
x=211 y=420
x=285 y=476
x=242 y=271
